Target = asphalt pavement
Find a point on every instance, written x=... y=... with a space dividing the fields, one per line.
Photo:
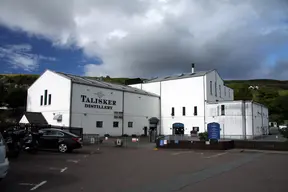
x=145 y=169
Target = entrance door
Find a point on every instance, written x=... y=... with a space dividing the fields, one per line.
x=178 y=129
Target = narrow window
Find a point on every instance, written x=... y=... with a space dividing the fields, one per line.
x=229 y=93
x=222 y=109
x=49 y=99
x=45 y=97
x=115 y=124
x=215 y=89
x=225 y=91
x=211 y=88
x=41 y=100
x=219 y=90
x=99 y=124
x=172 y=112
x=195 y=110
x=183 y=111
x=130 y=124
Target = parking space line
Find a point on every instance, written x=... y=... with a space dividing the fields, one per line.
x=72 y=161
x=182 y=152
x=217 y=155
x=27 y=184
x=64 y=169
x=38 y=185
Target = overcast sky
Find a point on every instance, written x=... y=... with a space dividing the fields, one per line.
x=146 y=38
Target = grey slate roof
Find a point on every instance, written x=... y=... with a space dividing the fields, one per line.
x=35 y=118
x=179 y=76
x=102 y=84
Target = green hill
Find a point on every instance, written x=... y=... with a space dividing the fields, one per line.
x=272 y=93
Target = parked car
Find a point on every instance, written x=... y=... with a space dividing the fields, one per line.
x=4 y=162
x=59 y=139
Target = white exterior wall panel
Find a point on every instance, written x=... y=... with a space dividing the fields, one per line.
x=138 y=109
x=86 y=117
x=59 y=88
x=181 y=93
x=237 y=123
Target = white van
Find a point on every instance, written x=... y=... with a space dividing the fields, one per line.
x=4 y=163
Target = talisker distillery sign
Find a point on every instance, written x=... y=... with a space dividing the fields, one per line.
x=97 y=103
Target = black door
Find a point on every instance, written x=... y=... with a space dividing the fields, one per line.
x=145 y=131
x=50 y=139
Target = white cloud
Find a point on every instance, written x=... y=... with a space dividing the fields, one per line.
x=157 y=37
x=20 y=56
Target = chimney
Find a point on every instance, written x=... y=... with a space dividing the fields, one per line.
x=192 y=70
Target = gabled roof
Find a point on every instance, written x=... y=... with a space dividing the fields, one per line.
x=179 y=76
x=103 y=84
x=35 y=118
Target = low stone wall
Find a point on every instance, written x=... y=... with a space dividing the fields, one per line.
x=223 y=145
x=261 y=145
x=202 y=145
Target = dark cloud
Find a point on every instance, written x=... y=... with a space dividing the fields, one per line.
x=153 y=38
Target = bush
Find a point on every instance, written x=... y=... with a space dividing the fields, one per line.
x=134 y=135
x=106 y=135
x=203 y=136
x=284 y=132
x=125 y=135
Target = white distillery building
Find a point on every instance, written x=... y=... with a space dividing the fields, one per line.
x=96 y=106
x=195 y=99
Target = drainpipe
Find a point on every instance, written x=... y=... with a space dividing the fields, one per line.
x=244 y=119
x=160 y=120
x=123 y=112
x=205 y=99
x=252 y=106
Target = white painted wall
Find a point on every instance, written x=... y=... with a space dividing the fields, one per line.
x=87 y=117
x=139 y=109
x=181 y=93
x=215 y=88
x=59 y=88
x=236 y=123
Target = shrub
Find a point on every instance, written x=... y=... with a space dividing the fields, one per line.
x=203 y=136
x=284 y=132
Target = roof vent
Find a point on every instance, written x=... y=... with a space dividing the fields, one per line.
x=192 y=68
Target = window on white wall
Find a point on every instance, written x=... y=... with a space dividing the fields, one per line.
x=49 y=99
x=130 y=124
x=195 y=111
x=229 y=94
x=211 y=88
x=115 y=124
x=225 y=91
x=172 y=111
x=99 y=124
x=219 y=90
x=222 y=109
x=215 y=89
x=41 y=100
x=183 y=111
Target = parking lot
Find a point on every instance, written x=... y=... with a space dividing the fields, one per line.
x=146 y=169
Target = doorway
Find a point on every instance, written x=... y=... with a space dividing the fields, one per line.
x=178 y=129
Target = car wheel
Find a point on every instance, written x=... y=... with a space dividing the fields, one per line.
x=63 y=148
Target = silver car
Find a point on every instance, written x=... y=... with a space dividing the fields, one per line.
x=4 y=162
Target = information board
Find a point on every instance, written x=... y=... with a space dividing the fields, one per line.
x=213 y=130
